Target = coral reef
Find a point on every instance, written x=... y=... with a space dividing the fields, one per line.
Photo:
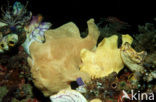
x=150 y=60
x=60 y=53
x=12 y=26
x=96 y=87
x=8 y=41
x=105 y=59
x=136 y=63
x=15 y=76
x=16 y=18
x=108 y=88
x=36 y=62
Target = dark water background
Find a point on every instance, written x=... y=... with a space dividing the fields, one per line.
x=62 y=11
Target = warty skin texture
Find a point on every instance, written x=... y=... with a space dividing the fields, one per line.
x=55 y=63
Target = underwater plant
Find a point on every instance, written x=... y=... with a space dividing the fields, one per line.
x=146 y=39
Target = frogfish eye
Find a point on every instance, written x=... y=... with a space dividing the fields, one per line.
x=2 y=45
x=11 y=43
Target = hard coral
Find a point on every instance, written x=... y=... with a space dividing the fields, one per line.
x=55 y=63
x=108 y=88
x=105 y=60
x=102 y=88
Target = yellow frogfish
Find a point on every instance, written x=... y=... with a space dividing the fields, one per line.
x=105 y=59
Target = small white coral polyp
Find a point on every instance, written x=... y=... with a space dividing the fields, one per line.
x=68 y=96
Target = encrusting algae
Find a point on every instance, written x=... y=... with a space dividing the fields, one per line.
x=106 y=59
